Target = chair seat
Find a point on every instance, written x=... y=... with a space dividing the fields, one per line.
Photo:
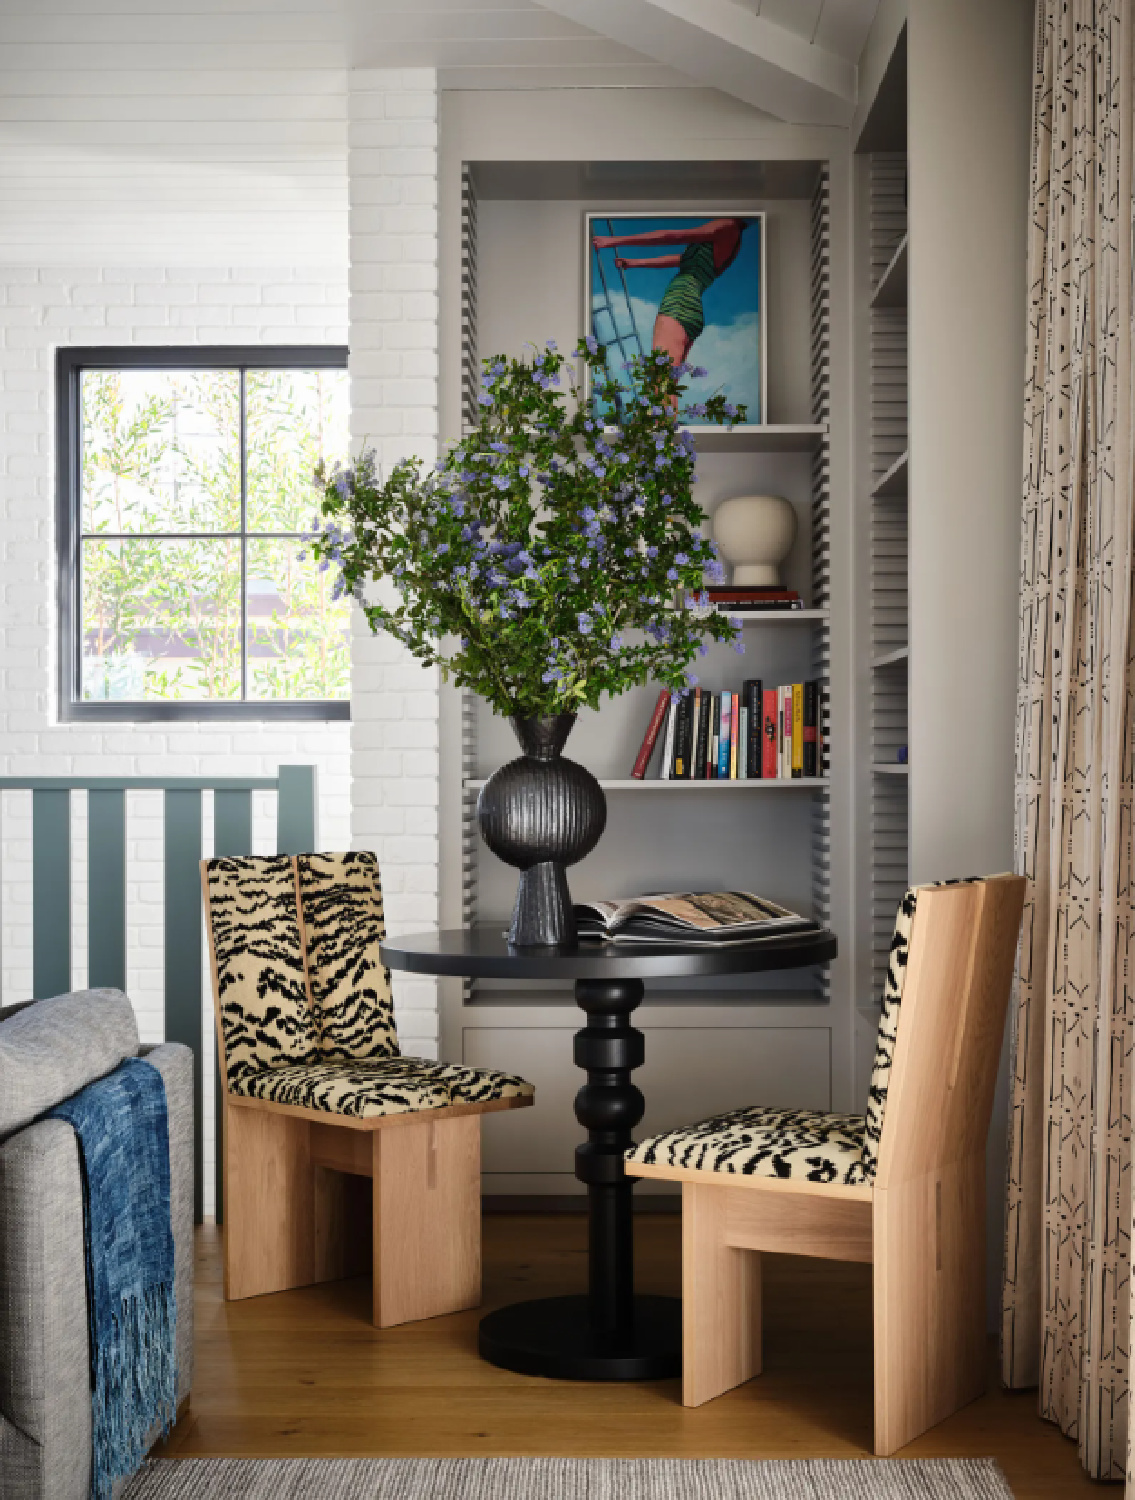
x=382 y=1086
x=761 y=1142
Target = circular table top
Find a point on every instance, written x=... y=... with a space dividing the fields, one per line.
x=483 y=953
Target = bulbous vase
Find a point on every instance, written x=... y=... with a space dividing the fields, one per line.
x=540 y=813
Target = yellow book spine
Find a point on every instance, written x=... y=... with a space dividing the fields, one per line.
x=734 y=735
x=797 y=729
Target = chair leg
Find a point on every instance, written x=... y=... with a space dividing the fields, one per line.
x=721 y=1300
x=427 y=1219
x=268 y=1201
x=929 y=1301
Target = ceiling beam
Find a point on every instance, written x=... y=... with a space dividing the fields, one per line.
x=724 y=46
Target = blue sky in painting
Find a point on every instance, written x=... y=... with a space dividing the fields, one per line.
x=729 y=345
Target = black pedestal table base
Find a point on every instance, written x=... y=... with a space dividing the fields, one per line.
x=610 y=1334
x=554 y=1336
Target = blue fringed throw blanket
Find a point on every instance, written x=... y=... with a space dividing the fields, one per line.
x=123 y=1133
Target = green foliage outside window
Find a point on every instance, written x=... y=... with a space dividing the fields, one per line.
x=182 y=598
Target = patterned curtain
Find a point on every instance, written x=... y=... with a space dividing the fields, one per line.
x=1066 y=1320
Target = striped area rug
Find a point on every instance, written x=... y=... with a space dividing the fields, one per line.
x=569 y=1479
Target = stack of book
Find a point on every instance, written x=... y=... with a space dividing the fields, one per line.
x=753 y=601
x=759 y=733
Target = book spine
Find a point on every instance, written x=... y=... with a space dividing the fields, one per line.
x=681 y=735
x=811 y=728
x=734 y=733
x=754 y=709
x=768 y=734
x=668 y=743
x=743 y=743
x=781 y=726
x=723 y=737
x=650 y=738
x=797 y=729
x=695 y=728
x=701 y=749
x=714 y=738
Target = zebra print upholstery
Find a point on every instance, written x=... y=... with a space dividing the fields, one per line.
x=382 y=1086
x=266 y=1021
x=800 y=1143
x=304 y=999
x=342 y=921
x=758 y=1142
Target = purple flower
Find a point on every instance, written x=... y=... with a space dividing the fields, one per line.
x=592 y=344
x=442 y=548
x=698 y=372
x=484 y=399
x=584 y=622
x=652 y=552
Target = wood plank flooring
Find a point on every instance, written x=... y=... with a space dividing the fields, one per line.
x=304 y=1373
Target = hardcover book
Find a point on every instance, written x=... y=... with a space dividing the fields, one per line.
x=650 y=738
x=769 y=735
x=811 y=728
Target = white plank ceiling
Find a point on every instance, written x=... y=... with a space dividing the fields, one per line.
x=145 y=131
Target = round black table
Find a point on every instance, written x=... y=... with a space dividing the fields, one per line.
x=609 y=1334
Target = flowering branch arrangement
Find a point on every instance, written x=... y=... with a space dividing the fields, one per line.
x=555 y=553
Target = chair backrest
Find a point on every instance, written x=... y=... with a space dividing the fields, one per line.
x=932 y=1097
x=297 y=975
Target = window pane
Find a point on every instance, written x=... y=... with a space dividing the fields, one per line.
x=298 y=636
x=295 y=418
x=160 y=620
x=161 y=450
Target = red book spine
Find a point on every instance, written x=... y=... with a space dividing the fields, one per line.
x=769 y=735
x=650 y=738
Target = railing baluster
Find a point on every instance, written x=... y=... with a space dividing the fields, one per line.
x=51 y=893
x=106 y=889
x=183 y=949
x=295 y=812
x=232 y=835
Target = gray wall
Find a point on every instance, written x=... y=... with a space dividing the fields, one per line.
x=969 y=122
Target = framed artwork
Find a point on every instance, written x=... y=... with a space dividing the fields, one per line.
x=692 y=284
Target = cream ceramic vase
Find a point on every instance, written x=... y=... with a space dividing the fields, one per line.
x=754 y=534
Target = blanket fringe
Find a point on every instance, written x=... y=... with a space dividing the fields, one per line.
x=135 y=1385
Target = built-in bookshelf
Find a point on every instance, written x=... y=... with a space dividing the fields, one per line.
x=773 y=835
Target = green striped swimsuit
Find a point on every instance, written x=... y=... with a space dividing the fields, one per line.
x=682 y=298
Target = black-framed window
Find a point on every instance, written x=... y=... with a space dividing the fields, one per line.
x=186 y=590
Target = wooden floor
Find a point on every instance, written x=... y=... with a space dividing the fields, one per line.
x=304 y=1374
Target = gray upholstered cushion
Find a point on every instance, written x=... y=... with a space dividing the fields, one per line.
x=54 y=1048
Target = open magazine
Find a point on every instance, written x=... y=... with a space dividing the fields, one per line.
x=700 y=917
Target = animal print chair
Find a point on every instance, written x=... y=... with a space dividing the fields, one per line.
x=319 y=1099
x=902 y=1187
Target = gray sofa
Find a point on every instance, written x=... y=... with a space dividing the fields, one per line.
x=48 y=1051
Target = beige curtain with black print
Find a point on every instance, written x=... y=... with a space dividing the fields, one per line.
x=1066 y=1316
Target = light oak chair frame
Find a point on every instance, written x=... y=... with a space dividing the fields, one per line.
x=298 y=1208
x=921 y=1224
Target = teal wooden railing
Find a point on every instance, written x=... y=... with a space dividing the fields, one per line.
x=106 y=887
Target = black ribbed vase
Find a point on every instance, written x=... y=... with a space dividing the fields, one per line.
x=541 y=813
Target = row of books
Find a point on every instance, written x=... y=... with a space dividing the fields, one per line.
x=759 y=733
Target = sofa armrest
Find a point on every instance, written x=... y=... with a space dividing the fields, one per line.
x=174 y=1062
x=45 y=1442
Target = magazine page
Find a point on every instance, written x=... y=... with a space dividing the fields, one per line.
x=710 y=910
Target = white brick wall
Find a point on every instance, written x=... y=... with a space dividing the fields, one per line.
x=40 y=310
x=393 y=313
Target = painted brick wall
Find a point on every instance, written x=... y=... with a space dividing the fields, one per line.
x=42 y=309
x=393 y=315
